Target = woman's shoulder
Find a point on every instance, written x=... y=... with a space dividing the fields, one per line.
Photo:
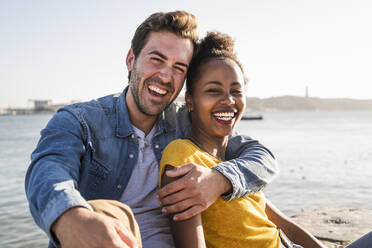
x=184 y=145
x=178 y=152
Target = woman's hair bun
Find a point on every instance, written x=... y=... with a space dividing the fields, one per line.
x=216 y=41
x=214 y=45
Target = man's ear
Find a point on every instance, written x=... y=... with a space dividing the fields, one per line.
x=189 y=103
x=130 y=60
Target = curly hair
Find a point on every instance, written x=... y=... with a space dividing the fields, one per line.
x=213 y=45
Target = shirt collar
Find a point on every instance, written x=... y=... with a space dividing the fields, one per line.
x=166 y=120
x=124 y=127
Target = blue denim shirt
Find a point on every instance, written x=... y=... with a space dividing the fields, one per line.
x=88 y=150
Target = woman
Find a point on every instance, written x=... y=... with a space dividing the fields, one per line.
x=215 y=98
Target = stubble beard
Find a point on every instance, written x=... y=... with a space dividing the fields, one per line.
x=134 y=85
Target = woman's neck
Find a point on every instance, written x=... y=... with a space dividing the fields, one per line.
x=214 y=145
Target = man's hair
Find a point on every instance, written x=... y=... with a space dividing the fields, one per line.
x=215 y=45
x=180 y=23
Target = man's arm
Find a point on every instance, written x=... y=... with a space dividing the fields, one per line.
x=200 y=187
x=81 y=228
x=197 y=188
x=52 y=190
x=249 y=166
x=51 y=178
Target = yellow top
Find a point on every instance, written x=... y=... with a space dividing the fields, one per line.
x=238 y=223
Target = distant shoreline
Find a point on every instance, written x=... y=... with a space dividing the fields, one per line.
x=296 y=103
x=254 y=104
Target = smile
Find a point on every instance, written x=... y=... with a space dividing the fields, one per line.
x=157 y=90
x=224 y=116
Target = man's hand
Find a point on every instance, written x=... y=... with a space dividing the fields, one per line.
x=79 y=228
x=197 y=189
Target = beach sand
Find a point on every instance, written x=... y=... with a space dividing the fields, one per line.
x=336 y=226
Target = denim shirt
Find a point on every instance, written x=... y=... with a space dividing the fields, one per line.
x=88 y=150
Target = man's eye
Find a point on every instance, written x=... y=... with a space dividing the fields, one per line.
x=156 y=59
x=180 y=69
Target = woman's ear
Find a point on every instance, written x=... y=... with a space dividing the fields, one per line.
x=130 y=60
x=189 y=103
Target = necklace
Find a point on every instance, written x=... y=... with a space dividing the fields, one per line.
x=192 y=139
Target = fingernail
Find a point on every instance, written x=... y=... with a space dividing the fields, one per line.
x=164 y=210
x=175 y=218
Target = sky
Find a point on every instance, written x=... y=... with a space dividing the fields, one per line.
x=74 y=50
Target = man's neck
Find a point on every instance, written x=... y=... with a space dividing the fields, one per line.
x=138 y=119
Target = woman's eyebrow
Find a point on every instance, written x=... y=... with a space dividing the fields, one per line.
x=236 y=84
x=219 y=83
x=213 y=82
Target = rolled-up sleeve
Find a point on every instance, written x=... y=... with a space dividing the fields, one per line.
x=51 y=179
x=249 y=166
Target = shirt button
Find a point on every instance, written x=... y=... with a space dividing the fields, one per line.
x=157 y=146
x=131 y=155
x=119 y=186
x=132 y=135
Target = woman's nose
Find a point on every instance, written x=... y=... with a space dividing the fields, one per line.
x=228 y=99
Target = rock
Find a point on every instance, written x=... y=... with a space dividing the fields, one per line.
x=336 y=226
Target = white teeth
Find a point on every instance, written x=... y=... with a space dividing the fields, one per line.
x=157 y=90
x=225 y=116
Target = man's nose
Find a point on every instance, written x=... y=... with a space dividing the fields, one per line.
x=166 y=74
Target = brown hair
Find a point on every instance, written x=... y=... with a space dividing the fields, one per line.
x=180 y=23
x=214 y=45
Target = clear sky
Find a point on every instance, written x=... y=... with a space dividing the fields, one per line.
x=75 y=49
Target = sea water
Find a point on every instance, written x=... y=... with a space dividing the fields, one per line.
x=325 y=159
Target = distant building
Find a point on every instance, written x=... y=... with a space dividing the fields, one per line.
x=3 y=111
x=40 y=105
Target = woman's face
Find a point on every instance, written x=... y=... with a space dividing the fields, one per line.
x=218 y=99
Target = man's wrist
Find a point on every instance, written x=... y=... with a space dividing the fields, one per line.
x=58 y=226
x=226 y=186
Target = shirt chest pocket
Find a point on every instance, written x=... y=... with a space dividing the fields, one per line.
x=97 y=181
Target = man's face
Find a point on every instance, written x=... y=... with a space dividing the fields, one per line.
x=158 y=72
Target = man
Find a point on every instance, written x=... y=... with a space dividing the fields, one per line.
x=110 y=148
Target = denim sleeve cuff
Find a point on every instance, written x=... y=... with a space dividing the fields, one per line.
x=229 y=176
x=243 y=184
x=64 y=201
